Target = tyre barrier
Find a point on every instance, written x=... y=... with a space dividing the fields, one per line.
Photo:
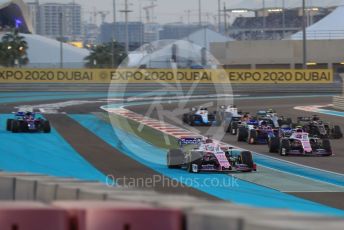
x=70 y=204
x=338 y=102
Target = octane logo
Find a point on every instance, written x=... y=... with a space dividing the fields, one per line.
x=168 y=102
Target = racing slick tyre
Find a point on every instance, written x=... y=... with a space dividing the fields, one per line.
x=247 y=159
x=284 y=147
x=242 y=134
x=175 y=158
x=186 y=118
x=326 y=144
x=274 y=145
x=15 y=126
x=194 y=162
x=46 y=127
x=9 y=124
x=337 y=132
x=234 y=128
x=252 y=137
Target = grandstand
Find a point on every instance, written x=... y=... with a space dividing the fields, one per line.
x=275 y=19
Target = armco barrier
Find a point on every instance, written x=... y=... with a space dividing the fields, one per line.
x=8 y=184
x=122 y=215
x=128 y=208
x=26 y=186
x=293 y=225
x=234 y=218
x=31 y=216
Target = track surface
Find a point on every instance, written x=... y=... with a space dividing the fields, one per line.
x=282 y=106
x=110 y=161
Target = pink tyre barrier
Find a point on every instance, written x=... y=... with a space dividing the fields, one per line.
x=120 y=216
x=31 y=216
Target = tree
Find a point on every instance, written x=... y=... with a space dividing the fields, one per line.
x=101 y=56
x=13 y=50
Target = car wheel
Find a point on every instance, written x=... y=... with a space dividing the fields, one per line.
x=46 y=127
x=9 y=124
x=284 y=147
x=175 y=158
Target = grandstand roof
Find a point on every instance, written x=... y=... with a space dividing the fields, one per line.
x=11 y=10
x=329 y=28
x=45 y=53
x=258 y=4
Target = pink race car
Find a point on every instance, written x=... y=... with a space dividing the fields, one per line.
x=299 y=143
x=196 y=155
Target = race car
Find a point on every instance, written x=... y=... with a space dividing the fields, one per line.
x=318 y=128
x=231 y=118
x=198 y=155
x=274 y=120
x=256 y=132
x=200 y=117
x=27 y=122
x=299 y=143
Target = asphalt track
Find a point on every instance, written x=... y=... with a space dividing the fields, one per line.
x=111 y=161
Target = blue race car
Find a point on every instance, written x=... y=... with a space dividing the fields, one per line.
x=200 y=117
x=256 y=132
x=27 y=122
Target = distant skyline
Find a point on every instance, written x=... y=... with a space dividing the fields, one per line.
x=167 y=11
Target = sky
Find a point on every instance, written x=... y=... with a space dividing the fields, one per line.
x=166 y=11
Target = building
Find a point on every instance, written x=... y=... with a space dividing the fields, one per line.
x=135 y=33
x=49 y=17
x=177 y=30
x=151 y=32
x=34 y=15
x=14 y=13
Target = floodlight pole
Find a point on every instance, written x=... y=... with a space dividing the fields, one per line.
x=199 y=12
x=304 y=35
x=219 y=14
x=113 y=35
x=61 y=39
x=126 y=11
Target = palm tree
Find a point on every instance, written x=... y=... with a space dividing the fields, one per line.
x=101 y=56
x=14 y=49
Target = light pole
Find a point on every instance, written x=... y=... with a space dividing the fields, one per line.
x=219 y=14
x=61 y=38
x=113 y=35
x=304 y=35
x=126 y=11
x=199 y=12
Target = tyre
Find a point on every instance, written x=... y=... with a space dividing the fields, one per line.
x=228 y=128
x=252 y=137
x=15 y=126
x=194 y=162
x=46 y=127
x=9 y=124
x=242 y=134
x=337 y=132
x=274 y=145
x=185 y=118
x=247 y=159
x=175 y=158
x=234 y=128
x=284 y=147
x=326 y=144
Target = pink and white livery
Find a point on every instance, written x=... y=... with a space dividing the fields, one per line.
x=197 y=155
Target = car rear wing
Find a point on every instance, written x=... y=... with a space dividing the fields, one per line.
x=190 y=140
